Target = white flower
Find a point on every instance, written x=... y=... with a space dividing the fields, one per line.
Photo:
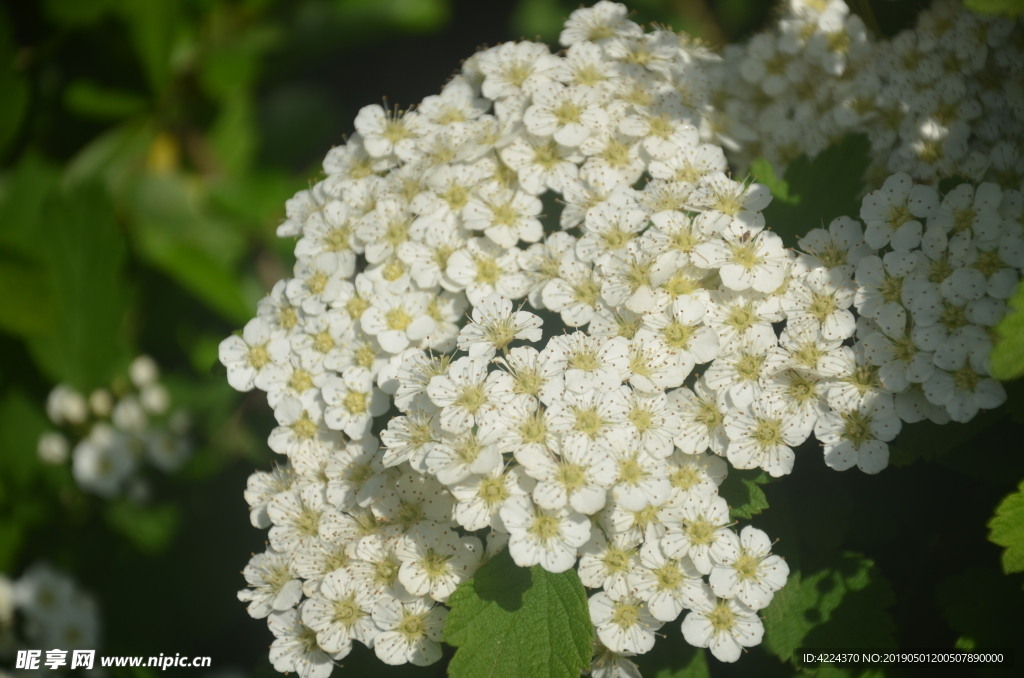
x=495 y=326
x=352 y=401
x=655 y=424
x=480 y=497
x=296 y=517
x=589 y=416
x=754 y=575
x=466 y=392
x=701 y=418
x=273 y=585
x=398 y=319
x=880 y=288
x=642 y=479
x=483 y=268
x=578 y=477
x=354 y=474
x=891 y=213
x=597 y=23
x=680 y=326
x=723 y=626
x=842 y=246
x=547 y=538
x=763 y=435
x=742 y=319
x=340 y=613
x=386 y=133
x=261 y=487
x=759 y=263
x=608 y=563
x=590 y=362
x=569 y=114
x=504 y=215
x=624 y=624
x=513 y=68
x=435 y=561
x=695 y=476
x=609 y=227
x=699 y=529
x=317 y=282
x=541 y=163
x=859 y=436
x=821 y=299
x=665 y=584
x=102 y=462
x=52 y=448
x=574 y=293
x=453 y=457
x=411 y=631
x=295 y=648
x=966 y=210
x=740 y=203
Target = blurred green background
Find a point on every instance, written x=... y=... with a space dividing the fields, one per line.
x=147 y=148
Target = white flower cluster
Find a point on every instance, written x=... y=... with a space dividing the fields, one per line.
x=45 y=609
x=116 y=429
x=689 y=337
x=942 y=99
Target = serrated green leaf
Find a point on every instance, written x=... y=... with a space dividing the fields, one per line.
x=1007 y=529
x=509 y=621
x=1011 y=8
x=85 y=252
x=1007 y=356
x=90 y=100
x=742 y=491
x=814 y=192
x=840 y=606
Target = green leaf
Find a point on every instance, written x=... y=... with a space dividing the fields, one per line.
x=509 y=621
x=14 y=87
x=742 y=491
x=77 y=12
x=86 y=252
x=413 y=16
x=233 y=135
x=26 y=296
x=27 y=304
x=840 y=606
x=151 y=527
x=21 y=423
x=115 y=157
x=177 y=236
x=153 y=27
x=1007 y=529
x=90 y=100
x=1011 y=8
x=814 y=192
x=1007 y=356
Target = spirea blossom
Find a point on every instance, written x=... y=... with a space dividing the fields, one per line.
x=537 y=312
x=113 y=433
